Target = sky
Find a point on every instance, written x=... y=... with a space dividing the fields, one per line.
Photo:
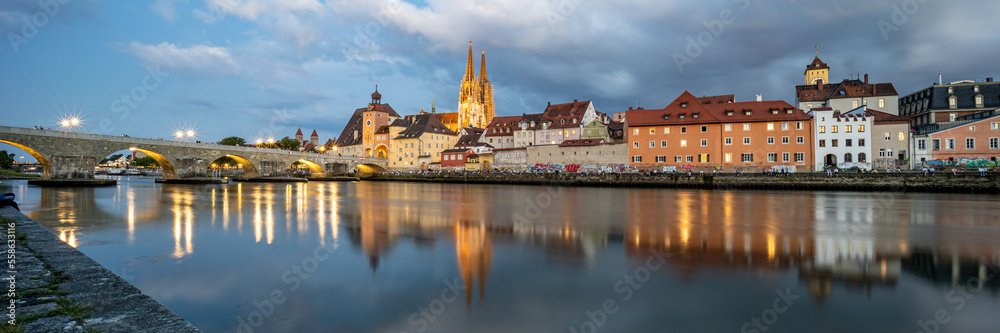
x=261 y=68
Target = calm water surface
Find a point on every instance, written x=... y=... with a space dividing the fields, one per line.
x=402 y=257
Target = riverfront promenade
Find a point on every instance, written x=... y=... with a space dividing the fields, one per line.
x=60 y=289
x=894 y=182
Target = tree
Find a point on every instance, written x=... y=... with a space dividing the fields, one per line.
x=233 y=141
x=146 y=162
x=6 y=160
x=288 y=143
x=111 y=158
x=224 y=161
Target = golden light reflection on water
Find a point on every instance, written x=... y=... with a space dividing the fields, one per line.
x=68 y=236
x=130 y=195
x=183 y=223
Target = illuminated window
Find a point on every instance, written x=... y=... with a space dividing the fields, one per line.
x=652 y=130
x=703 y=158
x=888 y=136
x=666 y=130
x=635 y=131
x=861 y=128
x=848 y=129
x=684 y=143
x=902 y=136
x=770 y=126
x=822 y=129
x=728 y=158
x=746 y=127
x=833 y=129
x=729 y=127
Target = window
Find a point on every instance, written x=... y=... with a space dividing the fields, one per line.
x=950 y=144
x=972 y=128
x=800 y=157
x=635 y=131
x=694 y=115
x=861 y=128
x=663 y=144
x=951 y=90
x=921 y=144
x=854 y=104
x=800 y=139
x=635 y=144
x=746 y=127
x=684 y=143
x=728 y=158
x=953 y=102
x=994 y=143
x=888 y=136
x=833 y=129
x=770 y=126
x=746 y=140
x=848 y=158
x=684 y=129
x=975 y=89
x=784 y=126
x=729 y=127
x=679 y=159
x=729 y=141
x=833 y=143
x=862 y=158
x=652 y=130
x=747 y=157
x=652 y=144
x=784 y=140
x=881 y=102
x=902 y=136
x=770 y=140
x=822 y=143
x=772 y=157
x=666 y=130
x=798 y=125
x=661 y=159
x=970 y=143
x=636 y=159
x=848 y=128
x=704 y=142
x=848 y=143
x=703 y=158
x=822 y=129
x=704 y=129
x=936 y=144
x=689 y=158
x=995 y=126
x=861 y=142
x=784 y=157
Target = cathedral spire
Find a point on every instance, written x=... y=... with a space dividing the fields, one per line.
x=470 y=69
x=482 y=68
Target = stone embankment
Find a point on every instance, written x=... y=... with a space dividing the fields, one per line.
x=57 y=288
x=896 y=182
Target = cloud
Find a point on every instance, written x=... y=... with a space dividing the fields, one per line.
x=166 y=8
x=297 y=21
x=197 y=60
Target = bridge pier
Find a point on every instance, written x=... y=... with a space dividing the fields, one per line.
x=335 y=169
x=71 y=167
x=272 y=168
x=190 y=166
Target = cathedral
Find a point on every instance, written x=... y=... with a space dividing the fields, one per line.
x=475 y=100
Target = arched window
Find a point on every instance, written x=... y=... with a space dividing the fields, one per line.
x=847 y=158
x=862 y=158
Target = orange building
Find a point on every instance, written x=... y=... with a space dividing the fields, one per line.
x=751 y=136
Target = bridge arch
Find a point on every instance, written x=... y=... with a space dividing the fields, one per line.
x=250 y=169
x=369 y=168
x=381 y=151
x=169 y=171
x=46 y=165
x=315 y=168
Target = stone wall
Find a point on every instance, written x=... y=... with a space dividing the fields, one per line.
x=510 y=159
x=614 y=153
x=73 y=167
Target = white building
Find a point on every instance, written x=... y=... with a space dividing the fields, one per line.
x=842 y=139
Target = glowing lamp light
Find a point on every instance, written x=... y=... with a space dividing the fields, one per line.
x=179 y=134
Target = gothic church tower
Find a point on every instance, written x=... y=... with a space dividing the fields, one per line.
x=475 y=98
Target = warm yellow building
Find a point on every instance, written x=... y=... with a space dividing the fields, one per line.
x=817 y=72
x=423 y=139
x=475 y=98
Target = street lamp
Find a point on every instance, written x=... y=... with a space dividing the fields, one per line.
x=70 y=123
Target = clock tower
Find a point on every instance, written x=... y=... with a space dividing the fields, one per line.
x=817 y=72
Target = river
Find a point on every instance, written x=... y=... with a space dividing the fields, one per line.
x=407 y=257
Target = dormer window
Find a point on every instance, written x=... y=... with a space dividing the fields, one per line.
x=684 y=105
x=788 y=111
x=574 y=120
x=681 y=117
x=774 y=111
x=694 y=115
x=729 y=113
x=746 y=112
x=562 y=121
x=666 y=117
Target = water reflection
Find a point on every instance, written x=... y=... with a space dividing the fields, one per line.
x=832 y=244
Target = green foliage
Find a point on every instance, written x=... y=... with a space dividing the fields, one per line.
x=233 y=141
x=221 y=162
x=288 y=143
x=6 y=159
x=111 y=158
x=146 y=162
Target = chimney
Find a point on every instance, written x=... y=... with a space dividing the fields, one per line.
x=760 y=98
x=866 y=78
x=550 y=103
x=574 y=101
x=630 y=108
x=940 y=79
x=989 y=79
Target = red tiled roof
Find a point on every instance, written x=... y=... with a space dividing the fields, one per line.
x=879 y=117
x=347 y=138
x=424 y=123
x=314 y=134
x=563 y=115
x=502 y=126
x=715 y=113
x=816 y=64
x=299 y=132
x=721 y=99
x=845 y=89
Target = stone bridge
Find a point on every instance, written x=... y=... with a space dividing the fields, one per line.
x=74 y=155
